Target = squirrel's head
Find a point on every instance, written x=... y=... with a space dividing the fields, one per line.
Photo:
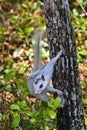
x=39 y=84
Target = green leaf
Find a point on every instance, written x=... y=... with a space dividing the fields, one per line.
x=28 y=113
x=86 y=121
x=45 y=114
x=16 y=120
x=52 y=114
x=10 y=71
x=80 y=1
x=84 y=101
x=46 y=128
x=22 y=104
x=0 y=116
x=83 y=52
x=14 y=107
x=29 y=29
x=51 y=103
x=9 y=88
x=80 y=59
x=75 y=12
x=55 y=103
x=45 y=53
x=32 y=120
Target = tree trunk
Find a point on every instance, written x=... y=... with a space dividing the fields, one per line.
x=66 y=75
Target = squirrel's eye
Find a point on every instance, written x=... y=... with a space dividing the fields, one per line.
x=36 y=82
x=41 y=86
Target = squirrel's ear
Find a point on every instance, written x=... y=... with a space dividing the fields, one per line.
x=42 y=77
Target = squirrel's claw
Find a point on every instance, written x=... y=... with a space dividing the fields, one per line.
x=59 y=92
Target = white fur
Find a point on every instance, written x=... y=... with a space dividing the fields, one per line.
x=38 y=82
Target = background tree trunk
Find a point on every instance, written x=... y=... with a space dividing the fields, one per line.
x=66 y=75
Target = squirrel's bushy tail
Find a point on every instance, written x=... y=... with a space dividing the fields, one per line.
x=37 y=50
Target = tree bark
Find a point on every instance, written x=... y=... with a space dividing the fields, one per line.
x=66 y=74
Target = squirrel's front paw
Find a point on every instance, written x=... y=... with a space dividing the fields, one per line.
x=59 y=92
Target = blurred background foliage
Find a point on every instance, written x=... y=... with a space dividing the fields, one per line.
x=19 y=20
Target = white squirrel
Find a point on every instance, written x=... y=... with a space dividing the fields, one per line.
x=39 y=81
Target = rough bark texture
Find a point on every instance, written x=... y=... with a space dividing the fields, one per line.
x=66 y=75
